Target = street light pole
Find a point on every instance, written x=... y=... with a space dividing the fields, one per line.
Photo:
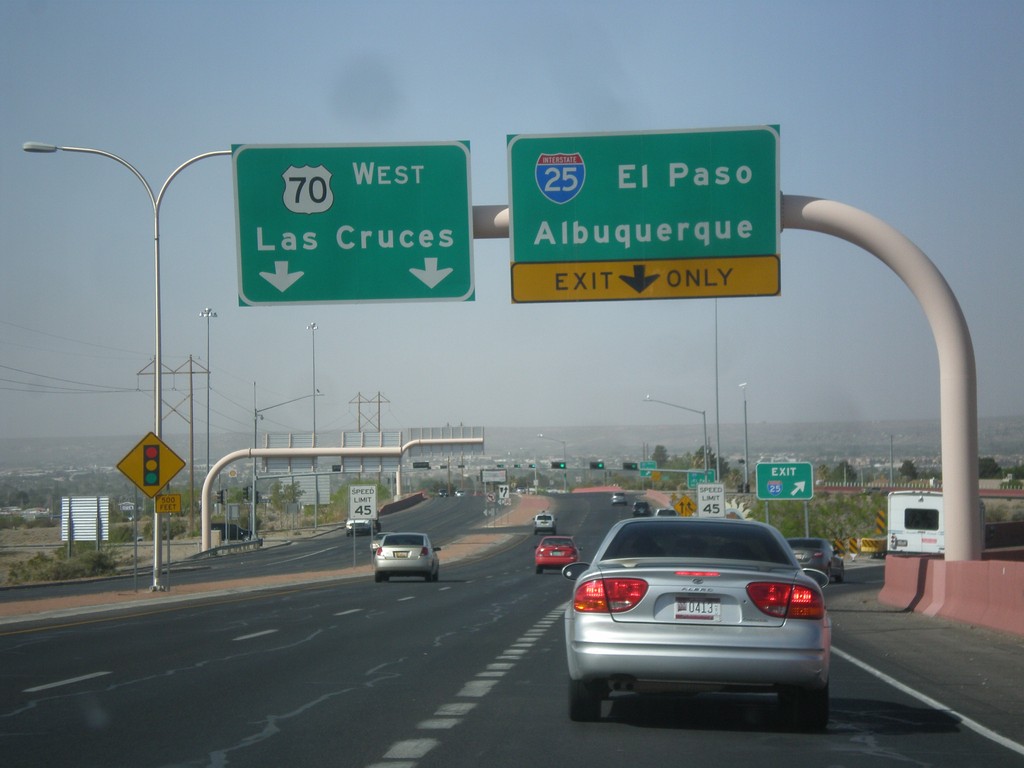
x=704 y=416
x=208 y=313
x=565 y=462
x=746 y=453
x=312 y=328
x=155 y=200
x=257 y=414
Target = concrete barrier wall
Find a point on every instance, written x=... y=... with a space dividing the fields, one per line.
x=403 y=503
x=987 y=593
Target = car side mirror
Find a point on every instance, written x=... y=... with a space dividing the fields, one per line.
x=573 y=570
x=437 y=549
x=820 y=577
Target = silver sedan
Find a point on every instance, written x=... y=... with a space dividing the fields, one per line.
x=697 y=605
x=406 y=554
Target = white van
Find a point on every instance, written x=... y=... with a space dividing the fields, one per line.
x=916 y=522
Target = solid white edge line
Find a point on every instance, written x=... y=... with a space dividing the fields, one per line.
x=978 y=728
x=69 y=681
x=254 y=634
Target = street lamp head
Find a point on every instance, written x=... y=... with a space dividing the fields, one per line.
x=311 y=327
x=35 y=146
x=743 y=385
x=207 y=313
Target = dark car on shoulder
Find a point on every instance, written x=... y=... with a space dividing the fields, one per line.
x=642 y=508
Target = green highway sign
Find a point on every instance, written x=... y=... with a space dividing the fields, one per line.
x=785 y=481
x=635 y=197
x=354 y=222
x=697 y=477
x=647 y=467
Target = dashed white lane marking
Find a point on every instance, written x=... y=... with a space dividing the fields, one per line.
x=403 y=754
x=350 y=610
x=255 y=634
x=410 y=749
x=69 y=681
x=477 y=688
x=457 y=709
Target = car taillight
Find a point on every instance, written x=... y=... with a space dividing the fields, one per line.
x=379 y=551
x=609 y=595
x=424 y=551
x=792 y=601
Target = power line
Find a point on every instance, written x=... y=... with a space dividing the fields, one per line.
x=31 y=386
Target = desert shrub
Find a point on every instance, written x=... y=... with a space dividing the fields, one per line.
x=59 y=567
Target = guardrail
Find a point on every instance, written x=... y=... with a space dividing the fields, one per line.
x=228 y=549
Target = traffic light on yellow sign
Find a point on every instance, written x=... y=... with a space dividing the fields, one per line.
x=150 y=465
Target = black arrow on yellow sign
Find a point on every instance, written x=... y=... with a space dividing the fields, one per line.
x=639 y=280
x=684 y=278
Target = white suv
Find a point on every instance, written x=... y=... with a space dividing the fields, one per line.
x=544 y=523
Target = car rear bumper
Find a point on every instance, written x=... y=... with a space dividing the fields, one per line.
x=554 y=562
x=738 y=657
x=405 y=565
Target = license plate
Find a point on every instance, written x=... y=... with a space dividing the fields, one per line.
x=699 y=609
x=557 y=553
x=400 y=554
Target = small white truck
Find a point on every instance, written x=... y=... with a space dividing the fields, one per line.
x=916 y=523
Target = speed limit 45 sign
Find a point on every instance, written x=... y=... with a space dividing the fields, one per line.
x=711 y=500
x=362 y=502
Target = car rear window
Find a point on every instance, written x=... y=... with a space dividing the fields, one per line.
x=812 y=543
x=694 y=540
x=403 y=540
x=559 y=542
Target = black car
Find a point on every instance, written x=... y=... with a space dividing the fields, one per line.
x=231 y=531
x=642 y=509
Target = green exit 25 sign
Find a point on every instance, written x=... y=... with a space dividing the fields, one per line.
x=787 y=480
x=351 y=223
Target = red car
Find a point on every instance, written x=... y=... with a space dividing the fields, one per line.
x=555 y=552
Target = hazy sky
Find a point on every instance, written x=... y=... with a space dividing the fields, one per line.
x=911 y=111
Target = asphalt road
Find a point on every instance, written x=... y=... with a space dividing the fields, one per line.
x=469 y=671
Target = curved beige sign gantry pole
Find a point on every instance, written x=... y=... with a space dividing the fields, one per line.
x=958 y=395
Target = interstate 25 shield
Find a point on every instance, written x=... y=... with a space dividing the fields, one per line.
x=560 y=176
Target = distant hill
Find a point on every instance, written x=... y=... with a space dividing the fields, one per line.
x=831 y=442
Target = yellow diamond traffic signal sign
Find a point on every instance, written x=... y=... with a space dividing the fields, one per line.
x=150 y=465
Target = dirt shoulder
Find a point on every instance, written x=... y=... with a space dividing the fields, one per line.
x=492 y=533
